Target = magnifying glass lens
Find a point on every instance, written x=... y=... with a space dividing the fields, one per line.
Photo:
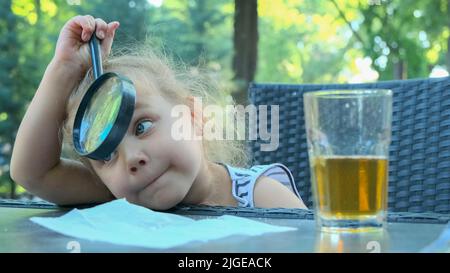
x=105 y=112
x=100 y=114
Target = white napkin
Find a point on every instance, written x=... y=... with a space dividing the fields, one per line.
x=119 y=222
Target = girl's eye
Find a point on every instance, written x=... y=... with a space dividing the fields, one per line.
x=143 y=127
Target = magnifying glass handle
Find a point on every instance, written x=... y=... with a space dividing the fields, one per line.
x=96 y=56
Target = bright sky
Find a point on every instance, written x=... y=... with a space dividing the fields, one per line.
x=365 y=72
x=438 y=71
x=156 y=3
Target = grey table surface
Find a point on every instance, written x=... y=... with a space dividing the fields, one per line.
x=19 y=234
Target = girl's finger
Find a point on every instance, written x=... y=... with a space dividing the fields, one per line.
x=100 y=28
x=87 y=23
x=107 y=42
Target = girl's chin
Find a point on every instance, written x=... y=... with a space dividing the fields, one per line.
x=162 y=198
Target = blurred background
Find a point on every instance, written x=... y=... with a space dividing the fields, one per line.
x=239 y=41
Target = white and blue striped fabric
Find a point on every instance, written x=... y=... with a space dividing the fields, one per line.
x=244 y=180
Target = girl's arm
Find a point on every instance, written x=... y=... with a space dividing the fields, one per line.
x=269 y=193
x=35 y=161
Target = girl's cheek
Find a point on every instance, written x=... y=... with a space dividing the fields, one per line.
x=117 y=190
x=188 y=155
x=111 y=181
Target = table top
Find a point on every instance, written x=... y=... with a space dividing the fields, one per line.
x=19 y=234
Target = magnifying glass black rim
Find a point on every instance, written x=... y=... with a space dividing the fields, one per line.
x=120 y=125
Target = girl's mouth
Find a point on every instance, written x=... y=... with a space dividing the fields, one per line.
x=152 y=181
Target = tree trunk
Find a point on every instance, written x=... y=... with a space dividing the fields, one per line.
x=400 y=70
x=245 y=46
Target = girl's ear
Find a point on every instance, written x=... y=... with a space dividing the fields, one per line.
x=198 y=121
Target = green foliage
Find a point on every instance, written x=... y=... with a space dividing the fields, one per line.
x=9 y=106
x=409 y=33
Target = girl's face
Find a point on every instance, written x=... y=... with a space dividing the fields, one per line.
x=150 y=167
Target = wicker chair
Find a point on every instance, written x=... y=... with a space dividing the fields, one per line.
x=419 y=167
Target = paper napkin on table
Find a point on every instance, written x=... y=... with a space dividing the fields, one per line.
x=119 y=222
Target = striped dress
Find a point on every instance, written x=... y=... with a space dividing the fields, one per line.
x=244 y=180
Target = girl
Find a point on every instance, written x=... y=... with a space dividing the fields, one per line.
x=149 y=167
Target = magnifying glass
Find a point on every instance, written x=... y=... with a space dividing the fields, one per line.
x=105 y=111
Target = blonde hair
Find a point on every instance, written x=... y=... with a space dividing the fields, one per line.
x=175 y=82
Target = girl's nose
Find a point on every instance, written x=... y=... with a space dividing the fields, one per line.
x=137 y=163
x=135 y=158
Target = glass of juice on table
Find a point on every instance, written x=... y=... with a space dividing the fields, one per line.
x=348 y=134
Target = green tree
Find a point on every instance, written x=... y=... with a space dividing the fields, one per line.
x=403 y=38
x=25 y=51
x=9 y=60
x=434 y=19
x=301 y=41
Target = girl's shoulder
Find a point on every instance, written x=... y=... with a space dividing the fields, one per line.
x=244 y=180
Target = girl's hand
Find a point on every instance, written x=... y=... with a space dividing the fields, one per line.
x=72 y=48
